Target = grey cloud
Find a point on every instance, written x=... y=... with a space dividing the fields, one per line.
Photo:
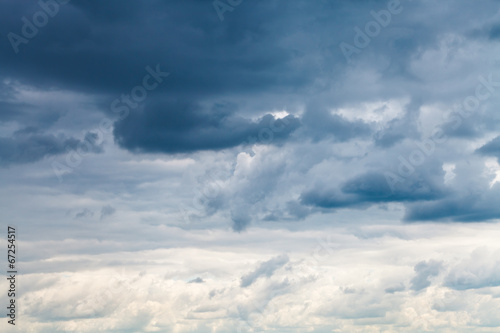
x=241 y=219
x=465 y=130
x=24 y=113
x=326 y=198
x=395 y=289
x=320 y=124
x=197 y=280
x=248 y=192
x=30 y=145
x=227 y=81
x=491 y=148
x=84 y=214
x=424 y=271
x=262 y=300
x=179 y=127
x=240 y=54
x=373 y=188
x=474 y=126
x=400 y=128
x=472 y=207
x=266 y=268
x=227 y=78
x=296 y=210
x=494 y=32
x=267 y=61
x=241 y=57
x=480 y=270
x=107 y=211
x=425 y=194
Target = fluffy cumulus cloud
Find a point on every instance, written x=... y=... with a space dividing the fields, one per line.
x=183 y=162
x=352 y=284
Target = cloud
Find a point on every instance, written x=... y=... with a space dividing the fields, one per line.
x=300 y=142
x=31 y=144
x=371 y=188
x=374 y=187
x=345 y=289
x=179 y=127
x=491 y=148
x=84 y=214
x=395 y=289
x=471 y=207
x=241 y=220
x=266 y=269
x=398 y=129
x=197 y=280
x=322 y=124
x=480 y=270
x=107 y=211
x=424 y=271
x=494 y=32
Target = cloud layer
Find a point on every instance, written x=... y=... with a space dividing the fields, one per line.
x=183 y=162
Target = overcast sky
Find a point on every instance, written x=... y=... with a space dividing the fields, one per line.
x=252 y=166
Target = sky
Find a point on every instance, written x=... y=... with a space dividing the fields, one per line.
x=251 y=166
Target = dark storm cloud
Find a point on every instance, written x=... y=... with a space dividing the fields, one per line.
x=104 y=48
x=371 y=188
x=76 y=49
x=177 y=127
x=228 y=78
x=262 y=48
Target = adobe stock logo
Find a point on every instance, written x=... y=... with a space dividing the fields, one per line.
x=30 y=28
